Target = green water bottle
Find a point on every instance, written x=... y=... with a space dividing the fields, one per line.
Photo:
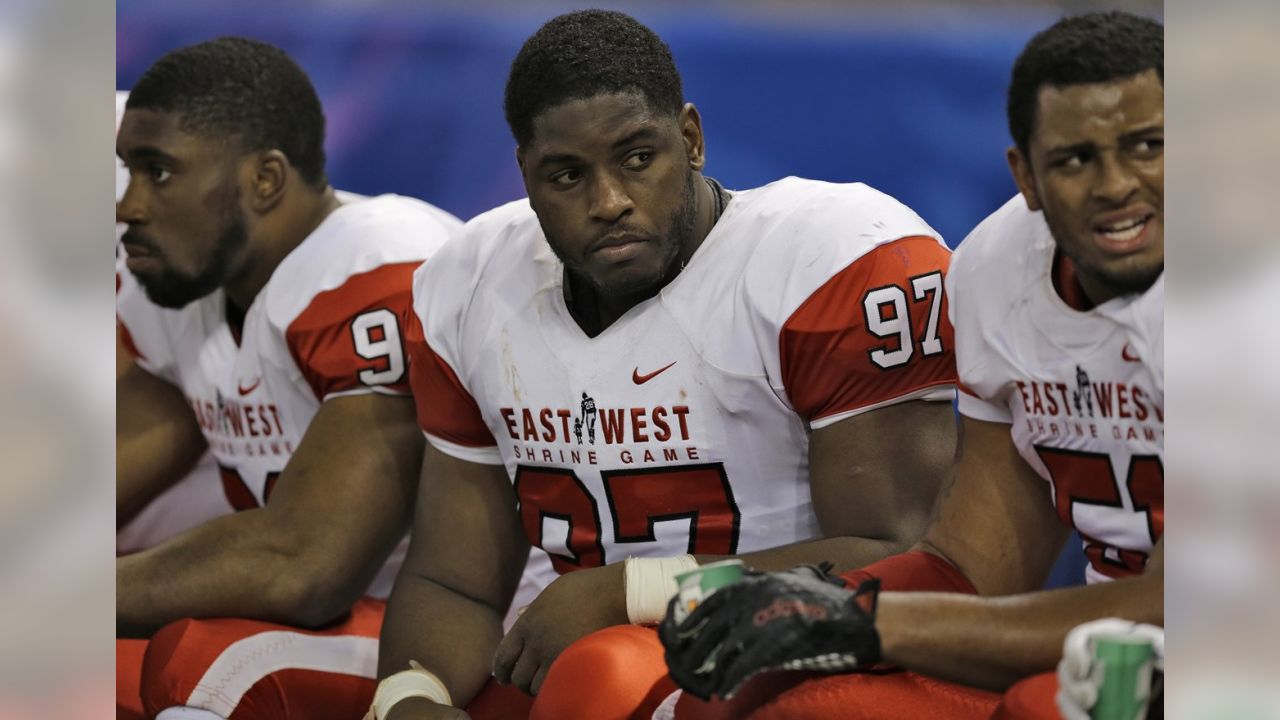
x=1122 y=671
x=699 y=583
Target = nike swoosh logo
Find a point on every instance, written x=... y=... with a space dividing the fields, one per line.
x=639 y=379
x=246 y=390
x=1127 y=357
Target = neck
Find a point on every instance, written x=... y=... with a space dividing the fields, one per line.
x=1066 y=282
x=279 y=234
x=706 y=212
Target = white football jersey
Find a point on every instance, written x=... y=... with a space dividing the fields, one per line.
x=328 y=323
x=1083 y=390
x=683 y=427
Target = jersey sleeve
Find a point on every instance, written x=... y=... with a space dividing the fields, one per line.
x=979 y=393
x=875 y=333
x=447 y=412
x=968 y=401
x=970 y=405
x=350 y=339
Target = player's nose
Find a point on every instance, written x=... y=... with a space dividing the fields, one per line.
x=610 y=200
x=131 y=207
x=1116 y=181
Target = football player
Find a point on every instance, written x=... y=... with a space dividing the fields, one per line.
x=638 y=371
x=266 y=313
x=1058 y=305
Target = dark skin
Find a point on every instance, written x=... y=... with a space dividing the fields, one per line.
x=277 y=562
x=1096 y=161
x=606 y=203
x=1011 y=629
x=1096 y=155
x=596 y=165
x=176 y=204
x=157 y=438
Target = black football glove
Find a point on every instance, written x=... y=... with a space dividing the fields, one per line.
x=798 y=619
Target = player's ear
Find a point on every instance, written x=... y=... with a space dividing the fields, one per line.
x=1020 y=166
x=520 y=159
x=691 y=131
x=523 y=178
x=269 y=173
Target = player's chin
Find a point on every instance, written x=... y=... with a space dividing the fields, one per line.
x=167 y=292
x=1135 y=273
x=623 y=284
x=635 y=276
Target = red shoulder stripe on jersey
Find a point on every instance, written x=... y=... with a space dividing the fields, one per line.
x=833 y=361
x=914 y=571
x=445 y=409
x=351 y=337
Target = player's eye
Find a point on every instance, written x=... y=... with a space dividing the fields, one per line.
x=159 y=174
x=566 y=178
x=1149 y=146
x=1072 y=161
x=637 y=160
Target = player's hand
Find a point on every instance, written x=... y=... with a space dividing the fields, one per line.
x=574 y=605
x=1078 y=680
x=419 y=708
x=799 y=619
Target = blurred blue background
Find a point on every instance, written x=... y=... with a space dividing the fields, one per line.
x=906 y=96
x=911 y=103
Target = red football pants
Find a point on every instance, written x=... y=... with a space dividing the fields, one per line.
x=855 y=696
x=619 y=673
x=251 y=670
x=241 y=669
x=1030 y=699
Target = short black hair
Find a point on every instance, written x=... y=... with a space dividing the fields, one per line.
x=582 y=54
x=1091 y=48
x=242 y=88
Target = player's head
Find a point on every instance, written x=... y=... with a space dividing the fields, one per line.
x=1086 y=111
x=216 y=136
x=607 y=148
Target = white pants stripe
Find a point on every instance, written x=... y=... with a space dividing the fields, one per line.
x=247 y=661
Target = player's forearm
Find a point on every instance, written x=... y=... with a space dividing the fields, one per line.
x=157 y=439
x=845 y=553
x=446 y=632
x=146 y=467
x=991 y=642
x=242 y=565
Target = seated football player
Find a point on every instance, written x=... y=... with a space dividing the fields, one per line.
x=1058 y=304
x=639 y=371
x=194 y=499
x=266 y=314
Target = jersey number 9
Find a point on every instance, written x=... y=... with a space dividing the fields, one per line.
x=376 y=334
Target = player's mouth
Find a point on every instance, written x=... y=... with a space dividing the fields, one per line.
x=139 y=255
x=141 y=263
x=1125 y=232
x=619 y=248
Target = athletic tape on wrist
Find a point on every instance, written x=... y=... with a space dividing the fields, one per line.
x=651 y=583
x=406 y=684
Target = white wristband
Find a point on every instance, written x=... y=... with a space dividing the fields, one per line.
x=406 y=684
x=651 y=583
